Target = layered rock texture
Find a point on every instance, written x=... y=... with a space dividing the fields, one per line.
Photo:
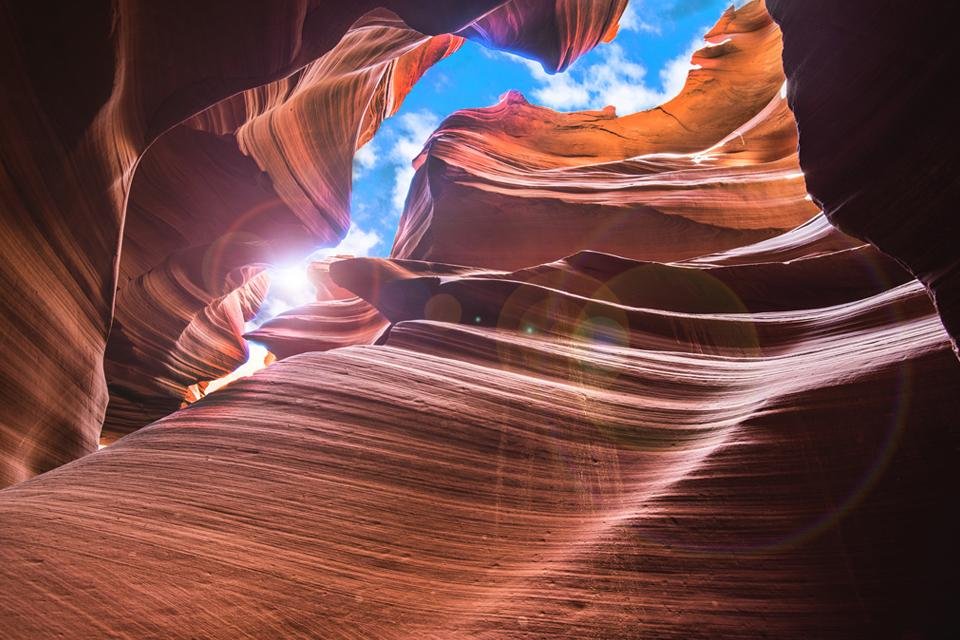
x=251 y=117
x=238 y=182
x=619 y=378
x=598 y=447
x=714 y=168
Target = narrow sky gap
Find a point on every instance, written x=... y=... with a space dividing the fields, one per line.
x=644 y=66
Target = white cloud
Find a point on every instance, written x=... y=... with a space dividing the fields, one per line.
x=365 y=158
x=674 y=74
x=401 y=185
x=616 y=80
x=415 y=129
x=632 y=21
x=357 y=243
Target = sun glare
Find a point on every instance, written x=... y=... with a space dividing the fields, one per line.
x=293 y=279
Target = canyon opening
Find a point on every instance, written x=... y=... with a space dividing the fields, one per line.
x=586 y=319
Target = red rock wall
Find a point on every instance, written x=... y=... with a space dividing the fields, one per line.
x=515 y=185
x=278 y=86
x=576 y=464
x=555 y=33
x=242 y=181
x=750 y=441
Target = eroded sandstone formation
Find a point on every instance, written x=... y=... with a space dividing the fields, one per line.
x=240 y=182
x=74 y=127
x=714 y=168
x=738 y=435
x=74 y=131
x=554 y=33
x=583 y=461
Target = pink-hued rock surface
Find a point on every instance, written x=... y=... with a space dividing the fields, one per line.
x=682 y=405
x=114 y=152
x=240 y=181
x=548 y=453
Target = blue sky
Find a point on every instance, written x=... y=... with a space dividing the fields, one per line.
x=643 y=67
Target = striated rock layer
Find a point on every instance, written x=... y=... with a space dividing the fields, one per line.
x=570 y=455
x=73 y=129
x=714 y=168
x=264 y=175
x=554 y=33
x=719 y=438
x=240 y=182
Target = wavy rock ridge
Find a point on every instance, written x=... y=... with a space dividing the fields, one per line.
x=742 y=432
x=876 y=83
x=64 y=206
x=576 y=463
x=250 y=160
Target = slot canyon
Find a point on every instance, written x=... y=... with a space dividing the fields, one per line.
x=682 y=370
